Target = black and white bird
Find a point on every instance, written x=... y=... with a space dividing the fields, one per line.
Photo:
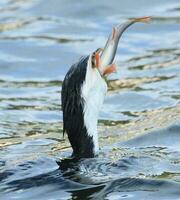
x=83 y=91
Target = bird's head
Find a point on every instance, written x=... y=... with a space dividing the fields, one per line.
x=96 y=62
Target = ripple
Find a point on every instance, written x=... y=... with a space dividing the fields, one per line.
x=131 y=83
x=139 y=188
x=139 y=123
x=48 y=38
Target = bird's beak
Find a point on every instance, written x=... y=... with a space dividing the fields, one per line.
x=104 y=57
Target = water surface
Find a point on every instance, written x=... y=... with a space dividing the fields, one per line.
x=138 y=124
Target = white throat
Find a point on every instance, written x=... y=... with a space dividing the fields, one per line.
x=94 y=90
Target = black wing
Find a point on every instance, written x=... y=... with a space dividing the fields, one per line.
x=72 y=105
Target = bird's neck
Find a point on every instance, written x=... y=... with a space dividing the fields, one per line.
x=94 y=89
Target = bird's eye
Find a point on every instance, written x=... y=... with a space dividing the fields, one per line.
x=93 y=60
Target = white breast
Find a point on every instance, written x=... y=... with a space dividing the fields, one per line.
x=94 y=90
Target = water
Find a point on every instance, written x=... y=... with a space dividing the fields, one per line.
x=139 y=122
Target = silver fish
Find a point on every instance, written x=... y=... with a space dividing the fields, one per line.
x=109 y=51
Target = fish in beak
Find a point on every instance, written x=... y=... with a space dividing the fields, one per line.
x=103 y=58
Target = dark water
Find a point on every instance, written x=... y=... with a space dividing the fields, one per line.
x=139 y=129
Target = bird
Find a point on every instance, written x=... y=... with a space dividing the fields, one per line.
x=83 y=91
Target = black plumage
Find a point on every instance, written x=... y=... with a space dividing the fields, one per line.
x=72 y=106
